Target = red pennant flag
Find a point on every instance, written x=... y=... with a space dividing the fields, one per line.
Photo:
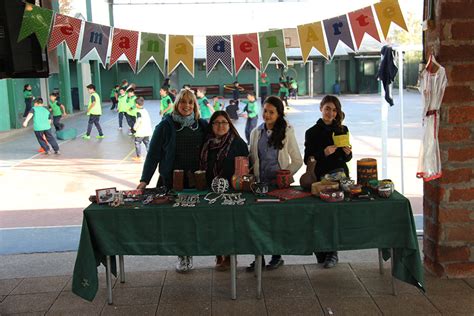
x=124 y=42
x=363 y=21
x=246 y=49
x=67 y=29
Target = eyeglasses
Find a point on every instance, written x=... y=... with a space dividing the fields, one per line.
x=220 y=123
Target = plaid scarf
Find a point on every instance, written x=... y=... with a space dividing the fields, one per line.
x=222 y=145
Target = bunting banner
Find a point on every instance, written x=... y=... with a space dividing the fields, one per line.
x=337 y=29
x=362 y=22
x=96 y=37
x=272 y=43
x=124 y=42
x=152 y=47
x=65 y=29
x=38 y=21
x=246 y=49
x=311 y=35
x=218 y=48
x=181 y=50
x=389 y=11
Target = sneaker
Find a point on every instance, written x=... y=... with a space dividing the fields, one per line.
x=331 y=260
x=57 y=152
x=137 y=159
x=86 y=137
x=41 y=150
x=131 y=134
x=119 y=128
x=275 y=263
x=100 y=136
x=189 y=262
x=46 y=152
x=181 y=265
x=251 y=267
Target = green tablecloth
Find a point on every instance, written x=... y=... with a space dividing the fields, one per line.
x=294 y=227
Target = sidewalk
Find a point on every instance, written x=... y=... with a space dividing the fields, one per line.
x=348 y=289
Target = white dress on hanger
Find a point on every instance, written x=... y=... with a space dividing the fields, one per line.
x=432 y=86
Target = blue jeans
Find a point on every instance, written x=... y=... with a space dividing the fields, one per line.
x=249 y=126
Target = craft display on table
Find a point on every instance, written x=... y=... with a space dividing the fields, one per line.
x=331 y=195
x=345 y=184
x=385 y=191
x=355 y=190
x=227 y=198
x=106 y=195
x=200 y=178
x=284 y=178
x=259 y=188
x=178 y=180
x=309 y=177
x=241 y=165
x=373 y=185
x=335 y=175
x=186 y=200
x=323 y=185
x=366 y=170
x=341 y=140
x=243 y=183
x=118 y=200
x=219 y=185
x=289 y=194
x=191 y=179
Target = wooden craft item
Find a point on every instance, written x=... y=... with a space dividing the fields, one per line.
x=178 y=180
x=366 y=171
x=317 y=187
x=308 y=178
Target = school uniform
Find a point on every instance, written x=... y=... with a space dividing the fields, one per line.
x=42 y=128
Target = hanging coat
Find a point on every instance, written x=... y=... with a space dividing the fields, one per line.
x=387 y=71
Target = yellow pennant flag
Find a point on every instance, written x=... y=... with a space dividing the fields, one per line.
x=389 y=11
x=311 y=35
x=181 y=50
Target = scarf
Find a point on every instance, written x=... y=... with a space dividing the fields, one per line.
x=185 y=121
x=222 y=145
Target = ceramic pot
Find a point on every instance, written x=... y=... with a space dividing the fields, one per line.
x=308 y=178
x=259 y=188
x=317 y=187
x=331 y=195
x=284 y=178
x=243 y=183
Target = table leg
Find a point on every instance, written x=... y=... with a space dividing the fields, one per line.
x=233 y=275
x=258 y=268
x=122 y=269
x=394 y=289
x=380 y=262
x=108 y=276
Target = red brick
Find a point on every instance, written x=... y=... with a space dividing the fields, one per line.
x=454 y=134
x=447 y=215
x=458 y=93
x=431 y=230
x=457 y=175
x=463 y=52
x=433 y=267
x=460 y=270
x=461 y=195
x=461 y=114
x=462 y=73
x=456 y=10
x=429 y=248
x=463 y=30
x=433 y=192
x=463 y=233
x=450 y=254
x=461 y=154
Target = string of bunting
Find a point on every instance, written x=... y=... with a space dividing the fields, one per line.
x=52 y=29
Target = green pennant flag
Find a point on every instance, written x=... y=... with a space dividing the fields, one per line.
x=272 y=42
x=152 y=45
x=36 y=20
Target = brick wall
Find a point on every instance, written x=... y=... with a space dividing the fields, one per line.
x=449 y=201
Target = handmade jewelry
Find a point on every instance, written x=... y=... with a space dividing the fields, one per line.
x=186 y=200
x=219 y=185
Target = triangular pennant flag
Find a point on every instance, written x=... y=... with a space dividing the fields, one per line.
x=36 y=20
x=65 y=29
x=181 y=50
x=272 y=43
x=124 y=42
x=363 y=21
x=311 y=35
x=152 y=47
x=245 y=49
x=218 y=48
x=95 y=36
x=337 y=29
x=389 y=11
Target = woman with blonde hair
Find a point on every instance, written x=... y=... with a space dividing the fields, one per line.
x=176 y=144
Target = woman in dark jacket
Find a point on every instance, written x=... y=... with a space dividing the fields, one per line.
x=319 y=145
x=221 y=146
x=176 y=144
